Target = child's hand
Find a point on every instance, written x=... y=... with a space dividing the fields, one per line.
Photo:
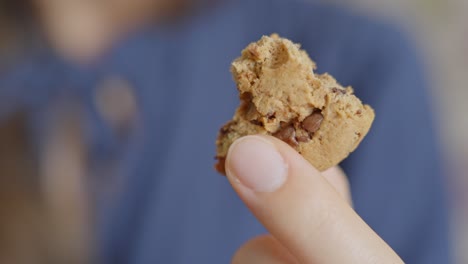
x=307 y=213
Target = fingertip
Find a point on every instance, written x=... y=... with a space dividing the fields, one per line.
x=256 y=163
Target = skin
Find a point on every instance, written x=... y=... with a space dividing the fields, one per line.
x=308 y=214
x=81 y=31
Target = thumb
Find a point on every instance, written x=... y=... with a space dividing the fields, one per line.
x=298 y=205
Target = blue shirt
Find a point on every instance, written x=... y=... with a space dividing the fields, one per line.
x=172 y=207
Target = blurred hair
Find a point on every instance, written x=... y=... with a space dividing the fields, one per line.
x=16 y=28
x=13 y=7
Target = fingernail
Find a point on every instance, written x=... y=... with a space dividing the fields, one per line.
x=256 y=164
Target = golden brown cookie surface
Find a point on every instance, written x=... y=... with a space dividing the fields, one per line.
x=281 y=96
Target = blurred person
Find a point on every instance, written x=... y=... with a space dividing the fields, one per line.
x=152 y=81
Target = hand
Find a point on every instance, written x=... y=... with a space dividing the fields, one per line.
x=307 y=213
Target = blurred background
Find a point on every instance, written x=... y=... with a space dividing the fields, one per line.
x=440 y=27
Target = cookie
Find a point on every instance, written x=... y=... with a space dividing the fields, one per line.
x=282 y=96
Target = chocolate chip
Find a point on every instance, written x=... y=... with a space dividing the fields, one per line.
x=246 y=96
x=312 y=123
x=338 y=90
x=358 y=112
x=303 y=138
x=256 y=122
x=224 y=130
x=271 y=115
x=220 y=166
x=288 y=135
x=250 y=110
x=227 y=128
x=302 y=135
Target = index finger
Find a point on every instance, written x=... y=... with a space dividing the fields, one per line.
x=299 y=207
